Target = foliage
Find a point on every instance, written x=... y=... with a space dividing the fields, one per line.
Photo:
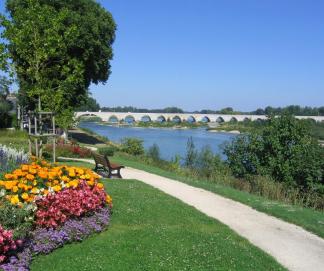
x=207 y=163
x=284 y=150
x=191 y=154
x=5 y=105
x=154 y=152
x=19 y=219
x=67 y=150
x=88 y=104
x=58 y=49
x=107 y=151
x=132 y=146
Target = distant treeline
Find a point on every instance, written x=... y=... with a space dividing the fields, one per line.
x=141 y=110
x=92 y=105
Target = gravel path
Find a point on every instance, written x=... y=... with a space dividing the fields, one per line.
x=290 y=245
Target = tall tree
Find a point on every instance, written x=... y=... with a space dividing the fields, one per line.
x=59 y=47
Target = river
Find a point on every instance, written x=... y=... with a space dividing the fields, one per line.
x=170 y=141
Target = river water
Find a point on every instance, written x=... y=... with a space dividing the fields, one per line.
x=170 y=141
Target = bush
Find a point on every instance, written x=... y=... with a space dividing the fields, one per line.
x=132 y=146
x=107 y=151
x=154 y=152
x=19 y=219
x=207 y=163
x=191 y=155
x=284 y=150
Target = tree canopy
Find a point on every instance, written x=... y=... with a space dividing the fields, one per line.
x=58 y=48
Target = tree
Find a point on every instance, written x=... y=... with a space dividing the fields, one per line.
x=89 y=104
x=58 y=48
x=284 y=150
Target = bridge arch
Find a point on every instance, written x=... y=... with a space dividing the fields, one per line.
x=191 y=119
x=233 y=119
x=146 y=118
x=129 y=119
x=113 y=119
x=205 y=119
x=176 y=119
x=161 y=119
x=220 y=120
x=246 y=119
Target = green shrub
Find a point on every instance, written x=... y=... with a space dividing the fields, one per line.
x=284 y=150
x=19 y=219
x=191 y=154
x=154 y=152
x=132 y=146
x=107 y=151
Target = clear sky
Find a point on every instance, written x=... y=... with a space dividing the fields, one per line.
x=199 y=54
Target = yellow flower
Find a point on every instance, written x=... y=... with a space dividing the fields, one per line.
x=15 y=189
x=35 y=190
x=24 y=196
x=32 y=171
x=57 y=188
x=14 y=200
x=108 y=199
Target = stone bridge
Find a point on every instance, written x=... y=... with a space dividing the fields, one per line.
x=179 y=117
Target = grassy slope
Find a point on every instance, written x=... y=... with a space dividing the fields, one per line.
x=150 y=230
x=309 y=219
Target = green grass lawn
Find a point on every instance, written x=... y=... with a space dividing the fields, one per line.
x=307 y=218
x=13 y=138
x=150 y=230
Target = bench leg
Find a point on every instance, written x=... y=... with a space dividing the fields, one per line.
x=118 y=174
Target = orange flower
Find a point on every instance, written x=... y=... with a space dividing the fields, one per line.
x=24 y=167
x=100 y=185
x=30 y=177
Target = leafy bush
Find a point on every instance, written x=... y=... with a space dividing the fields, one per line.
x=154 y=152
x=132 y=146
x=207 y=163
x=191 y=154
x=108 y=151
x=284 y=150
x=19 y=219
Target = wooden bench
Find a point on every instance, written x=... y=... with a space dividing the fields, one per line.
x=104 y=166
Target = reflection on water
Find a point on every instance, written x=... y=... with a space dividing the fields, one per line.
x=170 y=141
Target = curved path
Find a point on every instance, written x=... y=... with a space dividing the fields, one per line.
x=290 y=245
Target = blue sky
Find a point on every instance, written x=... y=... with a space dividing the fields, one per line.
x=198 y=54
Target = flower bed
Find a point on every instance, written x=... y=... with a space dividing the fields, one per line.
x=65 y=204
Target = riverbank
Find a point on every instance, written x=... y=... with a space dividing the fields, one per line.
x=232 y=188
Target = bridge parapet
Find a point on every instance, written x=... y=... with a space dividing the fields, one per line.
x=106 y=116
